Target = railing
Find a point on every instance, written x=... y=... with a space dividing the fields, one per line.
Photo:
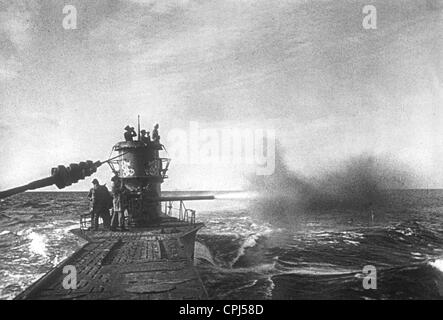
x=184 y=214
x=85 y=221
x=165 y=167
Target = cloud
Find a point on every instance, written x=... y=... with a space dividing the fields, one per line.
x=16 y=22
x=306 y=64
x=16 y=28
x=9 y=68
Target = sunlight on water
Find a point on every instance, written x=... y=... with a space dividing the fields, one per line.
x=38 y=244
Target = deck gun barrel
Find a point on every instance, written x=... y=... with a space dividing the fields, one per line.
x=182 y=198
x=61 y=176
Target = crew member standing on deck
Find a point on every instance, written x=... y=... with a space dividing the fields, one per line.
x=118 y=219
x=101 y=203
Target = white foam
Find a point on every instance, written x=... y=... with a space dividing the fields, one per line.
x=38 y=244
x=270 y=288
x=438 y=264
x=320 y=271
x=249 y=242
x=268 y=268
x=291 y=267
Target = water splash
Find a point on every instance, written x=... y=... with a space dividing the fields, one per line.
x=38 y=244
x=437 y=264
x=249 y=242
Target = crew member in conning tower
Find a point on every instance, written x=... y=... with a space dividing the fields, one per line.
x=155 y=135
x=145 y=137
x=130 y=133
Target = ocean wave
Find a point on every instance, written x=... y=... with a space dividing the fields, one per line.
x=264 y=268
x=202 y=252
x=290 y=267
x=319 y=259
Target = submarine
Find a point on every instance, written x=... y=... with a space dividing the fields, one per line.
x=152 y=258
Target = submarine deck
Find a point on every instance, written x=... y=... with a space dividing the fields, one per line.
x=149 y=263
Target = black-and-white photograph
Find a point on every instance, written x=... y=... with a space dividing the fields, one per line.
x=221 y=150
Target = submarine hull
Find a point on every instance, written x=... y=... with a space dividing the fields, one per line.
x=151 y=263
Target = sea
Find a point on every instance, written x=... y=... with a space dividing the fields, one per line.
x=260 y=248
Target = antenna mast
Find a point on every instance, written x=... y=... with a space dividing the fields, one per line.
x=138 y=127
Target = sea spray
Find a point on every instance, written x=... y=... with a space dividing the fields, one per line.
x=361 y=182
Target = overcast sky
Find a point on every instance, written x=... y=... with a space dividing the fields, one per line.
x=330 y=88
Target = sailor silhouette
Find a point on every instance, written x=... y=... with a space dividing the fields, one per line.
x=130 y=133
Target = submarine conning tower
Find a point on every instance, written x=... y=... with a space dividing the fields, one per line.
x=141 y=172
